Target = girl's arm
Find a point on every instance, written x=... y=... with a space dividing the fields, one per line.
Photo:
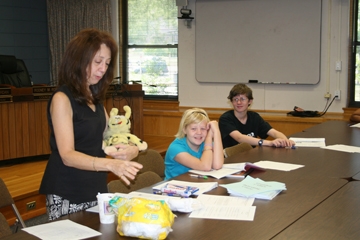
x=218 y=153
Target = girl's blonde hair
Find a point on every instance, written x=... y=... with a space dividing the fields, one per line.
x=190 y=116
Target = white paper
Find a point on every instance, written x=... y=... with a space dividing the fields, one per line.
x=94 y=209
x=203 y=186
x=278 y=165
x=239 y=166
x=225 y=213
x=308 y=142
x=151 y=196
x=223 y=172
x=215 y=200
x=60 y=230
x=225 y=208
x=343 y=148
x=356 y=125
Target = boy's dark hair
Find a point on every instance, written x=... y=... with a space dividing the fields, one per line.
x=240 y=88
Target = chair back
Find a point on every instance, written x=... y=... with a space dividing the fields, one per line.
x=142 y=180
x=14 y=72
x=7 y=200
x=241 y=147
x=151 y=161
x=4 y=227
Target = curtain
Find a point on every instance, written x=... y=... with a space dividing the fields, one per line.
x=66 y=18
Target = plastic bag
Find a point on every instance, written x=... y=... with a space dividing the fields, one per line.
x=143 y=218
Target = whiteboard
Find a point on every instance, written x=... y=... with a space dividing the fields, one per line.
x=263 y=41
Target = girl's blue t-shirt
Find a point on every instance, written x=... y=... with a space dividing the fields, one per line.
x=172 y=167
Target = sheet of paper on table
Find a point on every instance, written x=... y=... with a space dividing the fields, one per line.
x=225 y=208
x=278 y=165
x=356 y=125
x=60 y=230
x=343 y=148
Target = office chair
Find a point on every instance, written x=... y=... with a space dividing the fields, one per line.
x=241 y=147
x=7 y=200
x=142 y=180
x=151 y=161
x=13 y=72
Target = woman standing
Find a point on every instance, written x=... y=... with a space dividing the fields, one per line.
x=77 y=168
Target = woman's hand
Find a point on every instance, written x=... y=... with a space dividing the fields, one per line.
x=125 y=169
x=125 y=152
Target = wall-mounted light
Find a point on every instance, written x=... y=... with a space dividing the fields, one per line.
x=185 y=12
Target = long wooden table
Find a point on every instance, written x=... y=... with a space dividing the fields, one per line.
x=321 y=185
x=336 y=218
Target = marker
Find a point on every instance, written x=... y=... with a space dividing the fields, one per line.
x=292 y=147
x=198 y=176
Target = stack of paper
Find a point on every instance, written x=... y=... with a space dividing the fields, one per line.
x=308 y=142
x=255 y=188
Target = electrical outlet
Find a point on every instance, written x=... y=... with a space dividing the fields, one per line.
x=31 y=205
x=327 y=95
x=338 y=65
x=337 y=94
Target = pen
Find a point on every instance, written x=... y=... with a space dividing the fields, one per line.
x=198 y=176
x=292 y=147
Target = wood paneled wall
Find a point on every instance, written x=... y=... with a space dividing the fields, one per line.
x=162 y=118
x=24 y=130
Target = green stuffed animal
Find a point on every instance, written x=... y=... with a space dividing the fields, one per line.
x=118 y=131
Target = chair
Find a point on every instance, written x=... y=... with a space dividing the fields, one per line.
x=7 y=200
x=13 y=72
x=151 y=161
x=4 y=227
x=141 y=181
x=241 y=147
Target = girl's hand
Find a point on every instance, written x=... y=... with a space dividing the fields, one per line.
x=213 y=126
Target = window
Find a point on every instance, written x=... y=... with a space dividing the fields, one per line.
x=355 y=58
x=152 y=47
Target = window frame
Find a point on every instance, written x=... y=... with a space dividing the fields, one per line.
x=354 y=12
x=125 y=55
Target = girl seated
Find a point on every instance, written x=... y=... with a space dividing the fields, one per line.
x=197 y=145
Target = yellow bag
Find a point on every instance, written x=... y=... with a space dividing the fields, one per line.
x=144 y=218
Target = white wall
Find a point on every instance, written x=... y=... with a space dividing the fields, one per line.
x=335 y=38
